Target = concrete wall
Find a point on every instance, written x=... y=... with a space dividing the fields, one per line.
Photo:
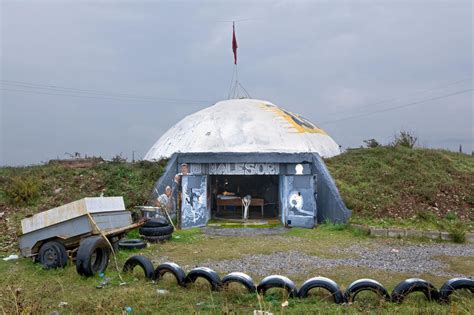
x=329 y=204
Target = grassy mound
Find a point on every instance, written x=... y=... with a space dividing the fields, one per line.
x=402 y=183
x=29 y=190
x=389 y=184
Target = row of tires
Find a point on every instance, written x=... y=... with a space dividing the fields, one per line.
x=399 y=293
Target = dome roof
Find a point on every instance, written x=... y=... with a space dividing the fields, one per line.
x=243 y=125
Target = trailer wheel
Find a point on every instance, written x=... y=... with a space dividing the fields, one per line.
x=92 y=256
x=52 y=255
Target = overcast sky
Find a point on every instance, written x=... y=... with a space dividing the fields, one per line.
x=342 y=65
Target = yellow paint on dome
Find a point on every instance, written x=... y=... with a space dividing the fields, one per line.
x=300 y=124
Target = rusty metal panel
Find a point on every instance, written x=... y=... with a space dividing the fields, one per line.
x=70 y=211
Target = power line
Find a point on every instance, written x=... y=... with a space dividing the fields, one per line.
x=96 y=97
x=395 y=107
x=92 y=92
x=397 y=98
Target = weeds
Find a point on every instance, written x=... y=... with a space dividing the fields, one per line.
x=458 y=231
x=22 y=190
x=405 y=139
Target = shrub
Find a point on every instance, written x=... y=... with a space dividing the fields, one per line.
x=405 y=139
x=371 y=143
x=471 y=200
x=427 y=216
x=458 y=231
x=451 y=216
x=22 y=190
x=118 y=159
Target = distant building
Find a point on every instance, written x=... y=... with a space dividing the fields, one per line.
x=248 y=147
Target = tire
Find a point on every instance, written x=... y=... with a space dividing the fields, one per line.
x=173 y=268
x=276 y=281
x=241 y=278
x=115 y=244
x=408 y=286
x=322 y=282
x=52 y=255
x=455 y=284
x=154 y=223
x=156 y=231
x=203 y=272
x=92 y=256
x=141 y=261
x=131 y=244
x=365 y=285
x=157 y=239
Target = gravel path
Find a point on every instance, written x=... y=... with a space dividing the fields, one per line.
x=415 y=259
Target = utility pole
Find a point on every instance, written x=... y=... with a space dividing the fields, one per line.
x=133 y=156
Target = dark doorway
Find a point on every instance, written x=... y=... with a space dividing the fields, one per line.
x=227 y=192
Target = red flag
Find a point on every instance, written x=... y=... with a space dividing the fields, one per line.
x=234 y=43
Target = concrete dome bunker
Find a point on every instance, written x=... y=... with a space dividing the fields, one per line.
x=247 y=152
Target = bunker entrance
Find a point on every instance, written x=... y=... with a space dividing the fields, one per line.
x=228 y=194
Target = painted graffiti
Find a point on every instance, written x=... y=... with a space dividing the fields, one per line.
x=299 y=123
x=194 y=205
x=244 y=168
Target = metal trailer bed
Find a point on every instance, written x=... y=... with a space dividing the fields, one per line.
x=71 y=223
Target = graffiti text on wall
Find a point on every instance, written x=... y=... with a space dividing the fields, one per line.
x=244 y=169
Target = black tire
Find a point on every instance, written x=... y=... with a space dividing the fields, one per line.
x=365 y=285
x=157 y=239
x=92 y=256
x=52 y=255
x=115 y=244
x=154 y=223
x=322 y=282
x=131 y=244
x=156 y=231
x=276 y=281
x=241 y=278
x=455 y=284
x=408 y=286
x=203 y=272
x=141 y=261
x=173 y=268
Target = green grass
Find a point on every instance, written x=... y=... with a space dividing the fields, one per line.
x=397 y=183
x=26 y=288
x=412 y=188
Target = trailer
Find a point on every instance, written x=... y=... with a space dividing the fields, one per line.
x=77 y=231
